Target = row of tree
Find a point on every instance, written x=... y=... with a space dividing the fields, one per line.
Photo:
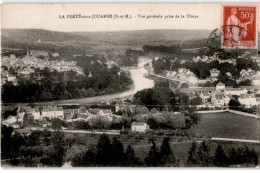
x=200 y=155
x=54 y=149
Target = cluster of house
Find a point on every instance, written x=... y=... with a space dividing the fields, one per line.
x=209 y=59
x=220 y=95
x=252 y=75
x=69 y=115
x=111 y=63
x=182 y=74
x=8 y=77
x=254 y=58
x=186 y=76
x=25 y=66
x=50 y=112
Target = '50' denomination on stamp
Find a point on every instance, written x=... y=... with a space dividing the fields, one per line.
x=239 y=26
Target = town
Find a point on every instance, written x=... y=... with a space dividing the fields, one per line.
x=76 y=107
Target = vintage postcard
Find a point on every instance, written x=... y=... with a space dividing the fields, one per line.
x=130 y=85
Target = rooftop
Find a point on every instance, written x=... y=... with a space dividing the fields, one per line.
x=107 y=111
x=139 y=124
x=48 y=109
x=220 y=84
x=198 y=89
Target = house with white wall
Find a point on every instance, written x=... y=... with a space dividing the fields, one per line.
x=52 y=112
x=248 y=100
x=139 y=127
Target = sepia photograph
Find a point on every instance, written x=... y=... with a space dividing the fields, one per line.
x=140 y=85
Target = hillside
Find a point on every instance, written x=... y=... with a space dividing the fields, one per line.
x=188 y=38
x=142 y=35
x=31 y=35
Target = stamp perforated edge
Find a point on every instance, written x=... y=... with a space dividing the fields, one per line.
x=222 y=24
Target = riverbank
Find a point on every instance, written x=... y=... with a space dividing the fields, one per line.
x=140 y=82
x=90 y=100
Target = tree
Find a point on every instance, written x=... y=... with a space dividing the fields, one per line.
x=153 y=158
x=246 y=82
x=56 y=123
x=17 y=141
x=234 y=104
x=151 y=98
x=75 y=155
x=220 y=157
x=99 y=122
x=166 y=154
x=192 y=157
x=154 y=111
x=82 y=125
x=77 y=93
x=153 y=123
x=56 y=151
x=118 y=152
x=180 y=101
x=196 y=101
x=223 y=77
x=138 y=98
x=130 y=158
x=11 y=112
x=184 y=85
x=33 y=139
x=204 y=155
x=89 y=158
x=104 y=151
x=27 y=120
x=246 y=63
x=90 y=92
x=243 y=155
x=66 y=94
x=83 y=92
x=10 y=143
x=6 y=141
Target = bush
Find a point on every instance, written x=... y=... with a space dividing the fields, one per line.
x=167 y=120
x=81 y=125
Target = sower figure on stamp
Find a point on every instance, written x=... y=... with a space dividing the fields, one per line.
x=235 y=28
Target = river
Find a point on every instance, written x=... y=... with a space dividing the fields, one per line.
x=139 y=83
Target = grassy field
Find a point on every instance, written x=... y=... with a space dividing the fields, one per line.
x=226 y=125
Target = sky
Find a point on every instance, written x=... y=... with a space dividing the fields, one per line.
x=49 y=16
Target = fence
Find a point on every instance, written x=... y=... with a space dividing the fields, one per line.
x=212 y=111
x=243 y=113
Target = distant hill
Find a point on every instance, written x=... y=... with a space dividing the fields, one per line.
x=142 y=35
x=31 y=35
x=189 y=38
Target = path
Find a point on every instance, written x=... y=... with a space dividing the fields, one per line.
x=235 y=140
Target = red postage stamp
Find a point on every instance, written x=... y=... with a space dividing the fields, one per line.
x=239 y=26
